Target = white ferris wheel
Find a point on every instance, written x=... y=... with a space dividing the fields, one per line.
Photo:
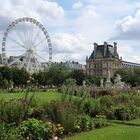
x=26 y=44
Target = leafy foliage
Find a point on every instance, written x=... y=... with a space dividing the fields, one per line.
x=35 y=130
x=78 y=75
x=131 y=76
x=62 y=112
x=85 y=123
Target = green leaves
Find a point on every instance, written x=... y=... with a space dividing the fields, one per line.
x=35 y=129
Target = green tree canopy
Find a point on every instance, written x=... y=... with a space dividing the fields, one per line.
x=130 y=75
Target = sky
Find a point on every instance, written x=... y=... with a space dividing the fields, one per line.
x=74 y=25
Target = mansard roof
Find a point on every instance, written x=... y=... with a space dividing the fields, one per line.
x=108 y=52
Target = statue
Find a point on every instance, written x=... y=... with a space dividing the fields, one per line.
x=118 y=79
x=84 y=83
x=118 y=84
x=101 y=82
x=108 y=77
x=108 y=82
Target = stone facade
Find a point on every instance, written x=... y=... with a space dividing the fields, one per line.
x=103 y=60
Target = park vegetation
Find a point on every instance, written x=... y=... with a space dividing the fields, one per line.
x=79 y=109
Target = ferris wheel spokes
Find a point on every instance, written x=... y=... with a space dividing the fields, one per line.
x=38 y=43
x=31 y=39
x=40 y=57
x=21 y=37
x=18 y=43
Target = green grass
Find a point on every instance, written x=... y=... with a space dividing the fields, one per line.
x=115 y=132
x=40 y=96
x=136 y=121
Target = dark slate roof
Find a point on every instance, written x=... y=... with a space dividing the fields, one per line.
x=92 y=55
x=100 y=49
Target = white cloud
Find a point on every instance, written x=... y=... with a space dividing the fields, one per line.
x=77 y=5
x=124 y=49
x=90 y=11
x=128 y=27
x=72 y=47
x=39 y=9
x=137 y=58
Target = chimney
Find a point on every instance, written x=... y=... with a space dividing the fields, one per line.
x=86 y=58
x=105 y=48
x=95 y=48
x=115 y=48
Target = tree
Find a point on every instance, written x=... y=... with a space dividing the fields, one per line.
x=95 y=80
x=1 y=80
x=70 y=82
x=131 y=76
x=55 y=75
x=5 y=84
x=78 y=75
x=20 y=76
x=6 y=72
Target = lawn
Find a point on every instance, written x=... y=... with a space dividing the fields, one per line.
x=115 y=132
x=40 y=96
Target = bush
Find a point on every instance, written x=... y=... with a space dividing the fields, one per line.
x=58 y=130
x=37 y=113
x=127 y=113
x=8 y=133
x=85 y=123
x=11 y=111
x=4 y=132
x=35 y=130
x=100 y=121
x=92 y=107
x=62 y=112
x=106 y=101
x=15 y=110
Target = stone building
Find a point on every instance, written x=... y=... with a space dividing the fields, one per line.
x=69 y=65
x=103 y=60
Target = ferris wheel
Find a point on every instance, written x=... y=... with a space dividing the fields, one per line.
x=26 y=44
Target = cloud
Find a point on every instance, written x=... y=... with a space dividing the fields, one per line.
x=137 y=58
x=72 y=47
x=128 y=28
x=41 y=10
x=77 y=5
x=124 y=49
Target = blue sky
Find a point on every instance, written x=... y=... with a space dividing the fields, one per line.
x=74 y=25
